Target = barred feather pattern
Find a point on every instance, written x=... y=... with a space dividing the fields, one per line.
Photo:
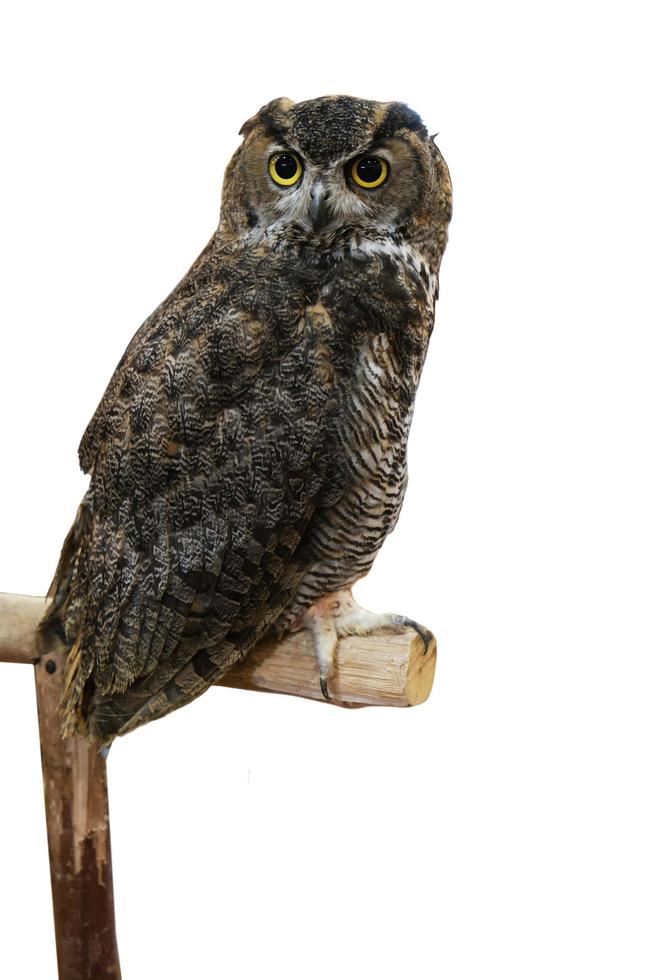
x=248 y=456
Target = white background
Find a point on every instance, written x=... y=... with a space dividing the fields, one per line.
x=504 y=828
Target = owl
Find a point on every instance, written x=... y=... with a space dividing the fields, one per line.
x=248 y=457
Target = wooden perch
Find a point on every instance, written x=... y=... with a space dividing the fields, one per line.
x=384 y=669
x=390 y=669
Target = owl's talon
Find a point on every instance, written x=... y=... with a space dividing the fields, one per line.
x=425 y=635
x=336 y=615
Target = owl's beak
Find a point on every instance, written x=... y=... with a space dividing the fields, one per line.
x=319 y=211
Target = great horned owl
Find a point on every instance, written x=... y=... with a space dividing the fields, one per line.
x=248 y=457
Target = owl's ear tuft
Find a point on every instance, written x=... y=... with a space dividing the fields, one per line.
x=400 y=116
x=270 y=116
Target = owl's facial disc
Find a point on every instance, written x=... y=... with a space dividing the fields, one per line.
x=332 y=168
x=286 y=189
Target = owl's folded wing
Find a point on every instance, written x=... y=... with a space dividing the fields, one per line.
x=205 y=457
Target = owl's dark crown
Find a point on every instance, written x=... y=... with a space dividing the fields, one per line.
x=335 y=126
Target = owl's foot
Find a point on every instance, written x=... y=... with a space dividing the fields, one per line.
x=336 y=615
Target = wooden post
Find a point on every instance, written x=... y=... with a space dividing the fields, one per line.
x=392 y=669
x=77 y=814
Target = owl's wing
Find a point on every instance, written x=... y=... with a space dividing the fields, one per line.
x=205 y=460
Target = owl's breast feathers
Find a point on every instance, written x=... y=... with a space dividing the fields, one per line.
x=256 y=419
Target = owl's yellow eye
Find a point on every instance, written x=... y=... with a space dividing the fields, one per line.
x=369 y=172
x=285 y=168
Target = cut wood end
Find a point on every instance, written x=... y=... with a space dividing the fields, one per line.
x=385 y=668
x=421 y=670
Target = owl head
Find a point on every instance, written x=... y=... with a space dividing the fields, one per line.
x=312 y=172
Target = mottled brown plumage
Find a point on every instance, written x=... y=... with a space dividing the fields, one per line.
x=249 y=454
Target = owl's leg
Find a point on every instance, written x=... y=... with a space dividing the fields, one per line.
x=318 y=619
x=336 y=615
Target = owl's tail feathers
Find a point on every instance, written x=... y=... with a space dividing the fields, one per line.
x=109 y=716
x=112 y=715
x=74 y=700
